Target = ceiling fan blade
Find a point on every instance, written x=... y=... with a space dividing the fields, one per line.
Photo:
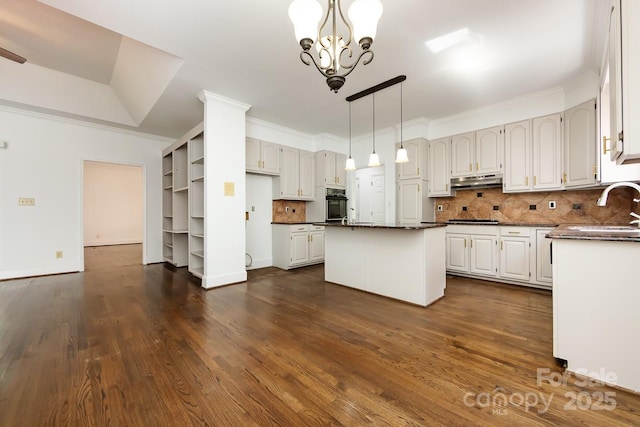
x=12 y=56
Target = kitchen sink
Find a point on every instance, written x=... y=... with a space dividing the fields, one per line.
x=605 y=229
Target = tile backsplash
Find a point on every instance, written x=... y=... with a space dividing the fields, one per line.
x=297 y=211
x=572 y=206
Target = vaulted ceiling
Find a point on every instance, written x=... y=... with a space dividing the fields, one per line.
x=140 y=64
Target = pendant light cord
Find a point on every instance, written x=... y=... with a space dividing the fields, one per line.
x=349 y=130
x=401 y=146
x=374 y=122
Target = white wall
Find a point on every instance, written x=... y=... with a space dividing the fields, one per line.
x=44 y=160
x=113 y=204
x=259 y=203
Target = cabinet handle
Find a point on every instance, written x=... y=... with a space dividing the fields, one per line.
x=471 y=243
x=418 y=171
x=465 y=243
x=595 y=171
x=564 y=178
x=526 y=180
x=501 y=245
x=605 y=150
x=477 y=166
x=470 y=167
x=535 y=180
x=446 y=187
x=514 y=232
x=310 y=237
x=418 y=188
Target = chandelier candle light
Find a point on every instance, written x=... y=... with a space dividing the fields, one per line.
x=333 y=47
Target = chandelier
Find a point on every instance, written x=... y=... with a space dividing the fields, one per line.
x=332 y=46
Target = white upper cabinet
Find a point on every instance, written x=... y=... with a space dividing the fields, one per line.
x=415 y=167
x=296 y=175
x=489 y=151
x=306 y=183
x=439 y=168
x=262 y=157
x=462 y=154
x=517 y=151
x=580 y=145
x=547 y=152
x=330 y=169
x=624 y=67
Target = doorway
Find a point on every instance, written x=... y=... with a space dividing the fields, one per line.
x=370 y=195
x=113 y=214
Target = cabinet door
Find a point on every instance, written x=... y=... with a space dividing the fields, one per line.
x=462 y=154
x=547 y=152
x=544 y=272
x=289 y=173
x=341 y=174
x=517 y=151
x=580 y=145
x=252 y=155
x=411 y=169
x=514 y=258
x=299 y=248
x=457 y=253
x=482 y=257
x=306 y=175
x=410 y=201
x=439 y=168
x=489 y=151
x=316 y=246
x=330 y=168
x=615 y=80
x=270 y=158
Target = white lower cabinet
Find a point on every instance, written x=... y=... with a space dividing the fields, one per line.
x=297 y=245
x=471 y=249
x=511 y=254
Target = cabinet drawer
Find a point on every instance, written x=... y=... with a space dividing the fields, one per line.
x=316 y=227
x=299 y=227
x=515 y=231
x=483 y=230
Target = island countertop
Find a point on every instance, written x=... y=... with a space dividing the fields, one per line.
x=596 y=232
x=418 y=226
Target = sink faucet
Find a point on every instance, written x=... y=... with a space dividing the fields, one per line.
x=344 y=219
x=602 y=201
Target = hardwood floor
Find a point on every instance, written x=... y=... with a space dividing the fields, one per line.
x=137 y=345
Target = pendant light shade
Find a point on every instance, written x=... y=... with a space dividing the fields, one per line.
x=374 y=159
x=351 y=164
x=401 y=155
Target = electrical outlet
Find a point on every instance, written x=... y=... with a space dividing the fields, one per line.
x=552 y=204
x=286 y=209
x=439 y=208
x=26 y=201
x=58 y=254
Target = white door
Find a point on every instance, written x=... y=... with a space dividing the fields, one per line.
x=547 y=152
x=299 y=248
x=457 y=253
x=580 y=145
x=514 y=258
x=482 y=255
x=544 y=272
x=410 y=206
x=289 y=173
x=517 y=151
x=306 y=175
x=489 y=151
x=270 y=158
x=363 y=208
x=462 y=154
x=316 y=245
x=378 y=199
x=439 y=168
x=410 y=169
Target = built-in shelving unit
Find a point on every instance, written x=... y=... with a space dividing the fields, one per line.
x=196 y=208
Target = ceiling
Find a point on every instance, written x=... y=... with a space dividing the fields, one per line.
x=140 y=65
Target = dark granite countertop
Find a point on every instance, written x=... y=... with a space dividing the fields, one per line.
x=622 y=233
x=420 y=226
x=505 y=224
x=292 y=223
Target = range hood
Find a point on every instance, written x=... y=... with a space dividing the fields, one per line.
x=469 y=182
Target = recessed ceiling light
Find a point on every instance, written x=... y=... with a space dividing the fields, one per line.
x=444 y=42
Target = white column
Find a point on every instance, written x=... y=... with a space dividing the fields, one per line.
x=225 y=190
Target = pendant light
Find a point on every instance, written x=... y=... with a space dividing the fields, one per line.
x=351 y=164
x=374 y=159
x=401 y=156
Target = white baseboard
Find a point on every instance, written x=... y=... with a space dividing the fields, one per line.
x=260 y=263
x=209 y=281
x=112 y=242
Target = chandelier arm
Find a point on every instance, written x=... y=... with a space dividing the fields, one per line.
x=347 y=24
x=324 y=22
x=303 y=53
x=353 y=66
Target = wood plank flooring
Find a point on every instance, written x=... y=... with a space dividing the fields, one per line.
x=137 y=345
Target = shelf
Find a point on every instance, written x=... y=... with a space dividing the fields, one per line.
x=180 y=231
x=199 y=160
x=198 y=254
x=169 y=187
x=200 y=178
x=200 y=236
x=197 y=271
x=197 y=216
x=169 y=259
x=168 y=173
x=181 y=189
x=169 y=245
x=168 y=231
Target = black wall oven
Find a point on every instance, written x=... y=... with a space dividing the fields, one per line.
x=336 y=201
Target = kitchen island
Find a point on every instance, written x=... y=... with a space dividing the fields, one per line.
x=405 y=262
